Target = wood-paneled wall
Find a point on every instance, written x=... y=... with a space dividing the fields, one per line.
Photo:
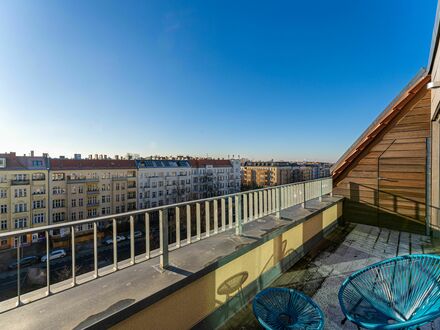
x=385 y=185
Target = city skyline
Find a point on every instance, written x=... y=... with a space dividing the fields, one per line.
x=203 y=79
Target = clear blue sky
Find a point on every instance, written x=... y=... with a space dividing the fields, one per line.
x=275 y=79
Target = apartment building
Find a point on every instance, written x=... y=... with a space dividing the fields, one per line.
x=23 y=195
x=88 y=188
x=163 y=181
x=265 y=174
x=214 y=177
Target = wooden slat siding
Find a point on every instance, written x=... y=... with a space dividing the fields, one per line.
x=401 y=146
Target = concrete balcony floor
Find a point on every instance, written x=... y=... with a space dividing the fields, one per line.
x=321 y=272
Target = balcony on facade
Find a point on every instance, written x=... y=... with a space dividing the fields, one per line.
x=81 y=180
x=20 y=182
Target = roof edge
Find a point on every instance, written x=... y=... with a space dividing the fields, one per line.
x=410 y=90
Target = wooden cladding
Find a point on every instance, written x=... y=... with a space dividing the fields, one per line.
x=385 y=183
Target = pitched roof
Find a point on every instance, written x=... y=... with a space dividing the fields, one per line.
x=14 y=162
x=391 y=111
x=87 y=164
x=212 y=162
x=161 y=163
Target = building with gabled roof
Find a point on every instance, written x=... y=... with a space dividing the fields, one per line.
x=383 y=175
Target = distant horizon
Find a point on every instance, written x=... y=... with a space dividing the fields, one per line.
x=289 y=80
x=124 y=155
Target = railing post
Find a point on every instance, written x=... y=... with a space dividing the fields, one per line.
x=198 y=221
x=147 y=236
x=115 y=245
x=245 y=208
x=188 y=224
x=132 y=255
x=278 y=202
x=230 y=209
x=207 y=219
x=95 y=250
x=215 y=206
x=251 y=206
x=223 y=213
x=47 y=264
x=303 y=204
x=72 y=230
x=260 y=204
x=320 y=195
x=163 y=231
x=177 y=227
x=238 y=224
x=18 y=272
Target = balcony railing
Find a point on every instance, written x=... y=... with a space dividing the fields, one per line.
x=226 y=212
x=20 y=182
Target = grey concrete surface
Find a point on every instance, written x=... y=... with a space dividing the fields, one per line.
x=84 y=305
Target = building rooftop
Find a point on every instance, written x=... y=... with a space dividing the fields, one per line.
x=161 y=163
x=87 y=164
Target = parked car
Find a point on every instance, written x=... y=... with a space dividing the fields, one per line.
x=109 y=240
x=55 y=254
x=24 y=262
x=136 y=234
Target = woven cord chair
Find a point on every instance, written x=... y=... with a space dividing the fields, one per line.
x=398 y=293
x=282 y=308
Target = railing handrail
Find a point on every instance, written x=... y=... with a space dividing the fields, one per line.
x=143 y=211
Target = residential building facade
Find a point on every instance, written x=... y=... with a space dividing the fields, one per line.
x=214 y=177
x=163 y=181
x=88 y=188
x=23 y=195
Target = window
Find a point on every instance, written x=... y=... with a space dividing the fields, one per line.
x=3 y=224
x=38 y=204
x=38 y=218
x=3 y=193
x=80 y=215
x=73 y=216
x=38 y=176
x=21 y=207
x=37 y=163
x=80 y=189
x=38 y=190
x=117 y=198
x=92 y=213
x=59 y=216
x=3 y=209
x=81 y=202
x=57 y=203
x=117 y=186
x=73 y=202
x=20 y=192
x=103 y=199
x=58 y=190
x=57 y=176
x=20 y=223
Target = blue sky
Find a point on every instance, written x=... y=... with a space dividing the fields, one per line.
x=286 y=80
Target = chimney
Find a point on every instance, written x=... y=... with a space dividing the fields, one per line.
x=105 y=156
x=12 y=154
x=96 y=156
x=90 y=156
x=32 y=153
x=45 y=155
x=117 y=157
x=62 y=157
x=101 y=157
x=77 y=156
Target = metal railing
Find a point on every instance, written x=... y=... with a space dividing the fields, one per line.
x=178 y=224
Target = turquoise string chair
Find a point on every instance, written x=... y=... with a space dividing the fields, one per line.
x=282 y=308
x=398 y=293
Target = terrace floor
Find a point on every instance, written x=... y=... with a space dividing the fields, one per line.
x=321 y=272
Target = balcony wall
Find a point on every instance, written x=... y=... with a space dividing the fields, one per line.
x=211 y=299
